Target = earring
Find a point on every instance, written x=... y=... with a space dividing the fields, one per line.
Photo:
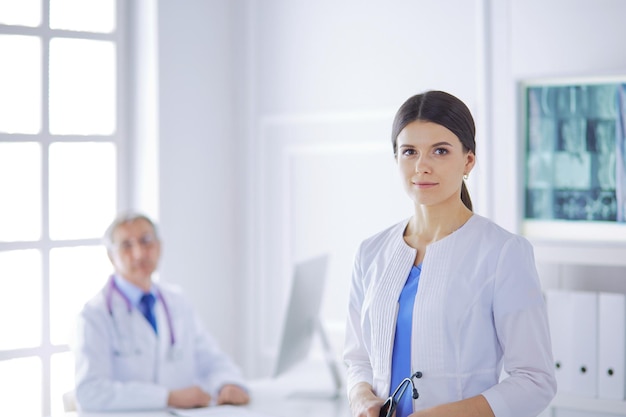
x=465 y=176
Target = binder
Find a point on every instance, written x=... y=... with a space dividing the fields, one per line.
x=611 y=346
x=584 y=344
x=559 y=308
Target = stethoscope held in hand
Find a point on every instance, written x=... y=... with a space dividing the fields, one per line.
x=389 y=406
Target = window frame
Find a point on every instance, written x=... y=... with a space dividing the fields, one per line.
x=120 y=138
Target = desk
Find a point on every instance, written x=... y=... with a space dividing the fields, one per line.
x=284 y=398
x=287 y=396
x=270 y=406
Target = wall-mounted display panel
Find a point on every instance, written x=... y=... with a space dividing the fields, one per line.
x=574 y=182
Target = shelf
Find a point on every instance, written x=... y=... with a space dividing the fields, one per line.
x=580 y=253
x=574 y=402
x=575 y=231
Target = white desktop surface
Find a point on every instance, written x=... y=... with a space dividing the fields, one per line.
x=302 y=392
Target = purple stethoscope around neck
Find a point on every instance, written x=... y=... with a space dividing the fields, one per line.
x=112 y=287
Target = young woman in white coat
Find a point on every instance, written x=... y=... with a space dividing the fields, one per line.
x=445 y=301
x=126 y=362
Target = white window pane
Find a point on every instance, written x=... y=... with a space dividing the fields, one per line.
x=83 y=15
x=20 y=382
x=62 y=380
x=20 y=188
x=82 y=87
x=20 y=12
x=82 y=185
x=20 y=84
x=76 y=274
x=20 y=299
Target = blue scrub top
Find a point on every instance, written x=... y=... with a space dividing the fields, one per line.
x=401 y=359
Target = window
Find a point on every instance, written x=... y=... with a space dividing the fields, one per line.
x=61 y=135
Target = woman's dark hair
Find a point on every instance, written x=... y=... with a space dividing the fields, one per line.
x=443 y=109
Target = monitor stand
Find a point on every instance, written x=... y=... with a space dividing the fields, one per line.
x=333 y=367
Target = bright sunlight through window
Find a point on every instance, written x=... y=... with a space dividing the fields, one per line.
x=60 y=144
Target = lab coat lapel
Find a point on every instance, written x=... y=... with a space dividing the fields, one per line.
x=385 y=293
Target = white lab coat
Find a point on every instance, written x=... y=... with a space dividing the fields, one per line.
x=478 y=309
x=121 y=364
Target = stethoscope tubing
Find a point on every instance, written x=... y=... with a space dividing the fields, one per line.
x=112 y=287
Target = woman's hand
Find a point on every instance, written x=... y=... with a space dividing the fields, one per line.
x=470 y=407
x=363 y=401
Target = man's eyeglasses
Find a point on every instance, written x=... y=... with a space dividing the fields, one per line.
x=390 y=405
x=146 y=241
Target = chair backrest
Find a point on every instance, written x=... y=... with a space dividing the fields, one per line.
x=69 y=401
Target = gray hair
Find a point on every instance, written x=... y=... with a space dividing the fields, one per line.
x=122 y=218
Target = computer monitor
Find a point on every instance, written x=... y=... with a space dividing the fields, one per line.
x=302 y=320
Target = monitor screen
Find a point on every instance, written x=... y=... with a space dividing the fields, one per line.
x=301 y=321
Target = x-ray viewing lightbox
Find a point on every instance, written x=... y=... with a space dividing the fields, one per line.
x=574 y=158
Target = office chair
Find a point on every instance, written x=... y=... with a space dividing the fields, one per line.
x=69 y=401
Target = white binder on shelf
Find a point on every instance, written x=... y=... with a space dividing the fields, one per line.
x=559 y=306
x=584 y=344
x=611 y=346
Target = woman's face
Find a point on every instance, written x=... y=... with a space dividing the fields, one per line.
x=432 y=162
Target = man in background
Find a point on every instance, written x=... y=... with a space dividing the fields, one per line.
x=139 y=344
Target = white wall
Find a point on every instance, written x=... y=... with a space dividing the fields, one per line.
x=535 y=39
x=543 y=39
x=198 y=160
x=273 y=125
